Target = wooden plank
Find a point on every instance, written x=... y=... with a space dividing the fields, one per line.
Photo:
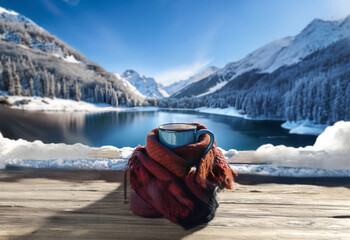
x=89 y=205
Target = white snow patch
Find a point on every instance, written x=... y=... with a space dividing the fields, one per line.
x=98 y=164
x=331 y=151
x=163 y=92
x=289 y=171
x=228 y=154
x=40 y=155
x=213 y=89
x=305 y=127
x=3 y=10
x=71 y=59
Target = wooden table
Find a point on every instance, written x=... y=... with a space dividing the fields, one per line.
x=89 y=205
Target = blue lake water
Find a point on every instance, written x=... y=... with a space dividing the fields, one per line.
x=123 y=129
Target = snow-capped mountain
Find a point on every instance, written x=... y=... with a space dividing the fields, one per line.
x=16 y=17
x=128 y=85
x=177 y=86
x=33 y=62
x=315 y=90
x=145 y=85
x=282 y=52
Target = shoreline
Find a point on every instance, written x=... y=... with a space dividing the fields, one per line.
x=304 y=127
x=47 y=105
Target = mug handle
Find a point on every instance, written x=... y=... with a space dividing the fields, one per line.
x=211 y=135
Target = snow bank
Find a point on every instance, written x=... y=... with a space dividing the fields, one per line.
x=38 y=154
x=98 y=164
x=66 y=105
x=304 y=127
x=328 y=157
x=289 y=171
x=331 y=151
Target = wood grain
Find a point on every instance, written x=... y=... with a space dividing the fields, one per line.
x=89 y=205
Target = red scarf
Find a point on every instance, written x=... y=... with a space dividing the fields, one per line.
x=179 y=184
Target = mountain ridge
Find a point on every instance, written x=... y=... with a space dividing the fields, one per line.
x=268 y=58
x=34 y=62
x=315 y=89
x=147 y=86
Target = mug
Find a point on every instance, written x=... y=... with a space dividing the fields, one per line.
x=174 y=135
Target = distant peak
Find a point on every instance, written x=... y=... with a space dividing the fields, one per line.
x=212 y=68
x=344 y=21
x=130 y=71
x=10 y=12
x=16 y=17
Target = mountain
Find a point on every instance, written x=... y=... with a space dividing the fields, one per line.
x=35 y=63
x=282 y=52
x=177 y=86
x=128 y=85
x=315 y=88
x=145 y=85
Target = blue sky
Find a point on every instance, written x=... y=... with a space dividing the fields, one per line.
x=172 y=39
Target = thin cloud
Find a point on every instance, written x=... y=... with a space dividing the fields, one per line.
x=72 y=2
x=52 y=7
x=181 y=72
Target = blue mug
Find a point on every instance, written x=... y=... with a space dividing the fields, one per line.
x=174 y=135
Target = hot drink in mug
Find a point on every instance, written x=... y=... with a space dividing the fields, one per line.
x=174 y=135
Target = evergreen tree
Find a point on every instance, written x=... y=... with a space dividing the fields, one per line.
x=31 y=87
x=77 y=91
x=51 y=80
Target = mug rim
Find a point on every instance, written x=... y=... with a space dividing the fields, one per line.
x=161 y=127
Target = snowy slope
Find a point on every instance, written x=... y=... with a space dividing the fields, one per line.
x=317 y=35
x=31 y=53
x=285 y=51
x=177 y=86
x=34 y=36
x=11 y=15
x=128 y=85
x=145 y=85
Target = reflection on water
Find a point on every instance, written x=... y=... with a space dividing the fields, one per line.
x=122 y=129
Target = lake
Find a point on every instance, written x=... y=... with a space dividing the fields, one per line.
x=122 y=129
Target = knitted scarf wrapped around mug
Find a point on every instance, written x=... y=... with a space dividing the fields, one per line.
x=179 y=184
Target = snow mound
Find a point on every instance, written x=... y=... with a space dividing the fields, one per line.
x=328 y=157
x=335 y=139
x=40 y=155
x=289 y=171
x=98 y=164
x=331 y=151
